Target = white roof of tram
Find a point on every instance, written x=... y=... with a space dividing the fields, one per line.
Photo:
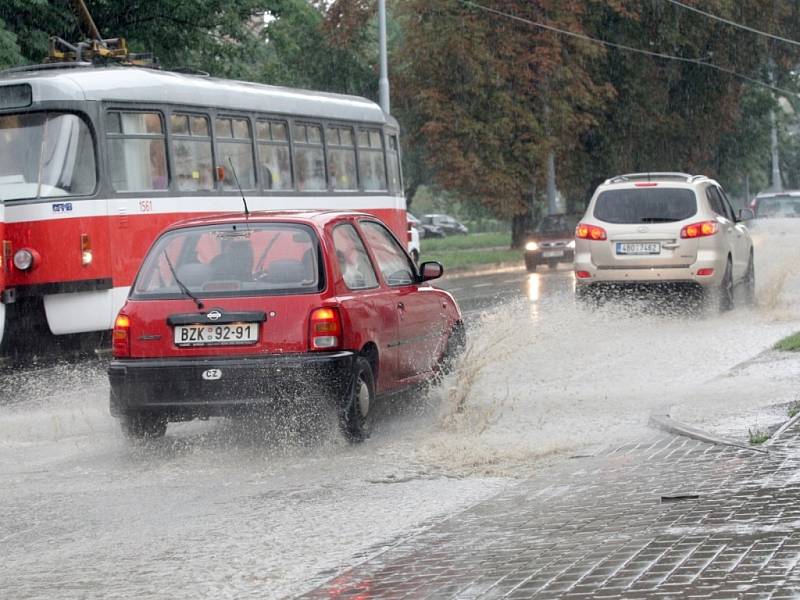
x=132 y=84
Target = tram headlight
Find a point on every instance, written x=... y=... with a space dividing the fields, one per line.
x=86 y=250
x=24 y=259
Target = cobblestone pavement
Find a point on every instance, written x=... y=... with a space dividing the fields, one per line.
x=670 y=518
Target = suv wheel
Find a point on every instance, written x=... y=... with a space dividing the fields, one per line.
x=142 y=426
x=355 y=414
x=726 y=289
x=530 y=264
x=750 y=282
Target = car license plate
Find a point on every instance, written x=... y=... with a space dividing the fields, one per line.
x=216 y=335
x=552 y=253
x=638 y=248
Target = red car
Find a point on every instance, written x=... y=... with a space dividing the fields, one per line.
x=238 y=312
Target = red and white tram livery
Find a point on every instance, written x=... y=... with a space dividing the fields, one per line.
x=96 y=161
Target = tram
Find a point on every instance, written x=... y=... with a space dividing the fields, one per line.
x=96 y=160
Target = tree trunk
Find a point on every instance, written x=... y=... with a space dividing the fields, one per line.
x=520 y=227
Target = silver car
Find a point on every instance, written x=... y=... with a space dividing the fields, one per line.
x=645 y=229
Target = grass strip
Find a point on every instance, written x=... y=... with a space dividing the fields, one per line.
x=455 y=259
x=789 y=344
x=466 y=242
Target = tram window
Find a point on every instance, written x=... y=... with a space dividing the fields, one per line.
x=137 y=150
x=279 y=132
x=235 y=145
x=45 y=155
x=393 y=160
x=341 y=159
x=273 y=150
x=199 y=125
x=309 y=158
x=191 y=153
x=370 y=160
x=180 y=124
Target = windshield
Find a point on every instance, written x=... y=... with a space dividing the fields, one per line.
x=778 y=206
x=553 y=224
x=628 y=206
x=45 y=155
x=231 y=260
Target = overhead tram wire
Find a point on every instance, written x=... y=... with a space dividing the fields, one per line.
x=582 y=36
x=734 y=23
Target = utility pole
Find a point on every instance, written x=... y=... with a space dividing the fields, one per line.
x=777 y=184
x=383 y=83
x=552 y=205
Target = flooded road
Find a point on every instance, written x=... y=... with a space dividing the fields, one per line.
x=232 y=509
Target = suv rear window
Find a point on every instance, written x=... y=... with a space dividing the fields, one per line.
x=232 y=260
x=645 y=205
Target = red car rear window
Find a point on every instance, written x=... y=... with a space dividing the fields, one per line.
x=232 y=260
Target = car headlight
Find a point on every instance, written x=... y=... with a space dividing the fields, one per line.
x=531 y=246
x=23 y=259
x=571 y=244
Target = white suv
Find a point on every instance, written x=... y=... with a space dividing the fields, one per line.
x=652 y=228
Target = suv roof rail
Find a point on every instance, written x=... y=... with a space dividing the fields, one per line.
x=649 y=176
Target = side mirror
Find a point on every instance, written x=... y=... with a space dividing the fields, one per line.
x=430 y=270
x=746 y=214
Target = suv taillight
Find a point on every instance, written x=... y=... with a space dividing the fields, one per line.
x=121 y=337
x=325 y=329
x=590 y=232
x=702 y=229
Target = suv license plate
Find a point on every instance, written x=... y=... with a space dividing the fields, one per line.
x=638 y=248
x=552 y=253
x=216 y=335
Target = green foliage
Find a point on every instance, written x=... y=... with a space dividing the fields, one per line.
x=9 y=49
x=221 y=36
x=794 y=409
x=332 y=50
x=789 y=344
x=757 y=437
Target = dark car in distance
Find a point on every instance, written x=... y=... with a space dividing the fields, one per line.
x=774 y=205
x=449 y=225
x=232 y=314
x=551 y=242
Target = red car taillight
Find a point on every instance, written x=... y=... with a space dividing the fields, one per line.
x=702 y=229
x=590 y=232
x=325 y=329
x=121 y=337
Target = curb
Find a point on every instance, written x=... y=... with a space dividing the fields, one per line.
x=775 y=436
x=665 y=423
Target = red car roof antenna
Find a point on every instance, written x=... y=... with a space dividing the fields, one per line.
x=236 y=178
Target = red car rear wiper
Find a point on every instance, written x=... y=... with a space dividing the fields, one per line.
x=182 y=287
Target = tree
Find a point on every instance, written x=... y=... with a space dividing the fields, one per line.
x=489 y=97
x=221 y=36
x=316 y=46
x=9 y=49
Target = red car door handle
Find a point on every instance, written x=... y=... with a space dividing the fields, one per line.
x=401 y=306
